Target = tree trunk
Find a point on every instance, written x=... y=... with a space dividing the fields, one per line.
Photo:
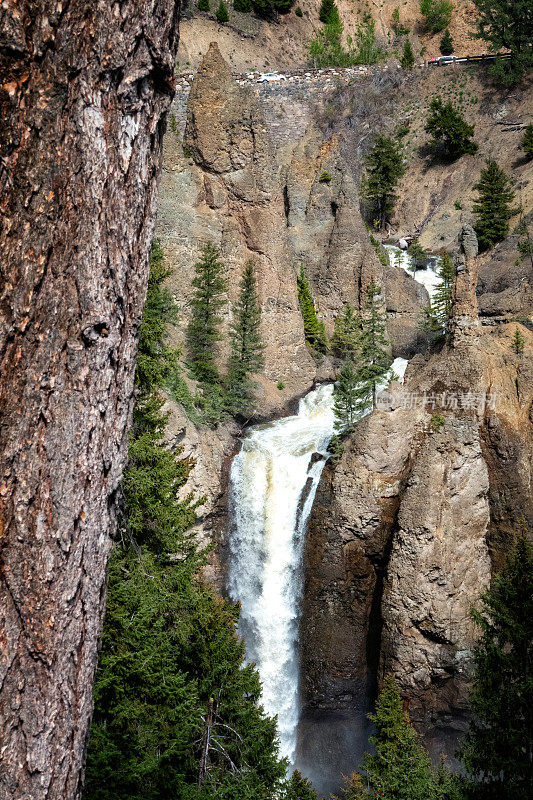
x=84 y=89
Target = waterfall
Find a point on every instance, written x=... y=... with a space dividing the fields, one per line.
x=273 y=482
x=427 y=277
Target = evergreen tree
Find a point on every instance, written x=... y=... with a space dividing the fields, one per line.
x=203 y=5
x=171 y=667
x=438 y=313
x=346 y=399
x=507 y=25
x=438 y=14
x=298 y=788
x=202 y=332
x=527 y=141
x=328 y=12
x=408 y=58
x=244 y=6
x=384 y=165
x=451 y=133
x=246 y=346
x=346 y=333
x=268 y=9
x=498 y=748
x=417 y=255
x=374 y=360
x=222 y=12
x=518 y=342
x=446 y=43
x=493 y=205
x=355 y=788
x=314 y=330
x=400 y=768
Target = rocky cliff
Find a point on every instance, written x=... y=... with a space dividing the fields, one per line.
x=431 y=489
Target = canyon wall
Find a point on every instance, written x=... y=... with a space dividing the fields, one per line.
x=431 y=489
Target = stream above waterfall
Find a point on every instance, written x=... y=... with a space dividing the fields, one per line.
x=273 y=482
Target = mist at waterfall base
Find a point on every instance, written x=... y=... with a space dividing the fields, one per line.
x=273 y=482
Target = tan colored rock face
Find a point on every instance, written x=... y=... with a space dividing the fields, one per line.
x=406 y=529
x=250 y=182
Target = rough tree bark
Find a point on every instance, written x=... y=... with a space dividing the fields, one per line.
x=84 y=89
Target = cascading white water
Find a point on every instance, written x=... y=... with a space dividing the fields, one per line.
x=427 y=277
x=273 y=483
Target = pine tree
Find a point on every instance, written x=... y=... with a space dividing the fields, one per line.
x=438 y=14
x=438 y=313
x=408 y=58
x=222 y=12
x=202 y=332
x=446 y=43
x=244 y=6
x=314 y=330
x=246 y=346
x=298 y=788
x=374 y=360
x=171 y=665
x=498 y=748
x=346 y=399
x=493 y=205
x=328 y=12
x=451 y=133
x=384 y=165
x=203 y=5
x=355 y=788
x=400 y=768
x=518 y=342
x=417 y=254
x=507 y=25
x=346 y=333
x=527 y=141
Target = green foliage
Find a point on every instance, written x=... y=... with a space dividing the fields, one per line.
x=244 y=6
x=452 y=135
x=384 y=166
x=446 y=43
x=368 y=52
x=493 y=205
x=525 y=242
x=437 y=422
x=398 y=28
x=518 y=342
x=400 y=769
x=374 y=360
x=246 y=355
x=222 y=12
x=328 y=12
x=346 y=398
x=346 y=333
x=408 y=57
x=169 y=648
x=325 y=177
x=206 y=304
x=498 y=747
x=268 y=9
x=299 y=12
x=280 y=385
x=314 y=331
x=203 y=5
x=527 y=141
x=438 y=14
x=380 y=251
x=508 y=25
x=417 y=254
x=457 y=205
x=437 y=315
x=298 y=788
x=327 y=49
